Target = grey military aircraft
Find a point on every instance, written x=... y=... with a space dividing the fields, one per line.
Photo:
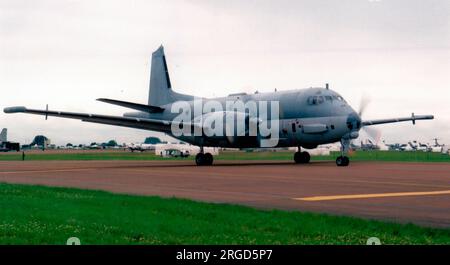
x=306 y=117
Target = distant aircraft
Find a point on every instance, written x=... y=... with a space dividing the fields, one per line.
x=437 y=148
x=422 y=147
x=298 y=118
x=140 y=147
x=369 y=145
x=412 y=146
x=4 y=135
x=6 y=146
x=415 y=146
x=94 y=146
x=395 y=146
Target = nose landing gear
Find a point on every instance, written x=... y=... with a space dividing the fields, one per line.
x=343 y=160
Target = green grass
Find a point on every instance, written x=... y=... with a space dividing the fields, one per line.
x=44 y=215
x=227 y=155
x=398 y=156
x=106 y=155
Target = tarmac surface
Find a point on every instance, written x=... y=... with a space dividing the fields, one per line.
x=402 y=192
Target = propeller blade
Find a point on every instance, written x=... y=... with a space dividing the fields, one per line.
x=363 y=105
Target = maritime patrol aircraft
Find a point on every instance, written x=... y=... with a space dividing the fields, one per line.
x=305 y=119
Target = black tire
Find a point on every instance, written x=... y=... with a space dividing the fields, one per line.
x=346 y=161
x=298 y=157
x=302 y=157
x=342 y=161
x=305 y=157
x=200 y=159
x=339 y=161
x=208 y=159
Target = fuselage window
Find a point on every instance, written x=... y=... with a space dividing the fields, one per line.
x=293 y=127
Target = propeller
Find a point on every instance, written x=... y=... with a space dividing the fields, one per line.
x=363 y=105
x=372 y=133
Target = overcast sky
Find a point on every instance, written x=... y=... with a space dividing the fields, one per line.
x=68 y=53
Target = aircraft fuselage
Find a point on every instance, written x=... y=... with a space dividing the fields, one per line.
x=307 y=118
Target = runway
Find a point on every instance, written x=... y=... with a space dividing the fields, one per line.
x=400 y=192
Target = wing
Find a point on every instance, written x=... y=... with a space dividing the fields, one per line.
x=413 y=118
x=131 y=105
x=139 y=123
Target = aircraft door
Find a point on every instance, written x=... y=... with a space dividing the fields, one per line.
x=295 y=131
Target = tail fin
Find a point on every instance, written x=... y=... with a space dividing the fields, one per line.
x=160 y=89
x=4 y=135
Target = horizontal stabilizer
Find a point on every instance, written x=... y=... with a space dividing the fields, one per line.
x=131 y=105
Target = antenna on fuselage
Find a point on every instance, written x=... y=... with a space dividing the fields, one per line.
x=327 y=86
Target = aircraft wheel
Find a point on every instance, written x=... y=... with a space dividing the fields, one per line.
x=200 y=159
x=297 y=157
x=342 y=161
x=306 y=157
x=302 y=157
x=208 y=159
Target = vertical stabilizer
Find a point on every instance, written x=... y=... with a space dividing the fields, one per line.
x=160 y=89
x=4 y=135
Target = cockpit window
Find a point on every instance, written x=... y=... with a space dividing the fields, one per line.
x=315 y=100
x=339 y=98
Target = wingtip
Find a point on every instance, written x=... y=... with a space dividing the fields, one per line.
x=14 y=109
x=427 y=117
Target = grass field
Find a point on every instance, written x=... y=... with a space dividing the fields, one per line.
x=227 y=155
x=43 y=215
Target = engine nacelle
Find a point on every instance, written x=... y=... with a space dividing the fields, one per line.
x=236 y=127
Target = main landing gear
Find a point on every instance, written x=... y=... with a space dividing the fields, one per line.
x=203 y=159
x=342 y=160
x=301 y=157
